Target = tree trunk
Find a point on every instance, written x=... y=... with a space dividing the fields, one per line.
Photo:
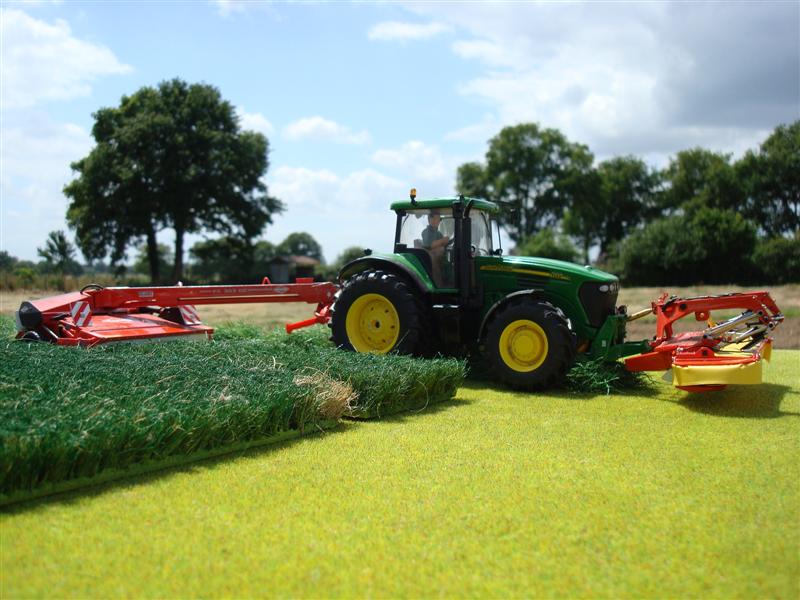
x=586 y=244
x=152 y=255
x=178 y=273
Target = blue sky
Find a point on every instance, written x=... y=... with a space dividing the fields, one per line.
x=362 y=101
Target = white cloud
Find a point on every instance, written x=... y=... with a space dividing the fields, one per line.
x=642 y=78
x=396 y=30
x=320 y=128
x=419 y=163
x=254 y=121
x=485 y=51
x=228 y=8
x=339 y=211
x=32 y=177
x=477 y=132
x=43 y=61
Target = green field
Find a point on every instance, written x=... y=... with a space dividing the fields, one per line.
x=495 y=493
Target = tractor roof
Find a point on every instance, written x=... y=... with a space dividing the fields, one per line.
x=477 y=203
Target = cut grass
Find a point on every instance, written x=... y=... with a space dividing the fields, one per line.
x=495 y=494
x=601 y=377
x=71 y=413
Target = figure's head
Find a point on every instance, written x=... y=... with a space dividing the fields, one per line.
x=434 y=218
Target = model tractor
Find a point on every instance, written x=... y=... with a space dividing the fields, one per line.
x=448 y=289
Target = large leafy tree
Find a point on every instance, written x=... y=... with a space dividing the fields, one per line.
x=698 y=178
x=622 y=197
x=175 y=157
x=534 y=173
x=771 y=179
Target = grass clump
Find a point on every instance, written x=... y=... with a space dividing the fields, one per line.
x=68 y=413
x=603 y=377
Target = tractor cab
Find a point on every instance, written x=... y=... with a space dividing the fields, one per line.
x=442 y=235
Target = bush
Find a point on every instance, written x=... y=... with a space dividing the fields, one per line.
x=709 y=246
x=548 y=244
x=778 y=260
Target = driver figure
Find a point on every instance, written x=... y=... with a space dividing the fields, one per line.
x=432 y=238
x=434 y=241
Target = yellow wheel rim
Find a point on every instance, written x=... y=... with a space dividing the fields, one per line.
x=372 y=324
x=523 y=345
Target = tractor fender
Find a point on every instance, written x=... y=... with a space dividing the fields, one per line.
x=533 y=293
x=391 y=263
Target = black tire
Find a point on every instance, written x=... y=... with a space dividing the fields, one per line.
x=543 y=366
x=410 y=324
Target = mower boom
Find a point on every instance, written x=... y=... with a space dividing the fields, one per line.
x=97 y=315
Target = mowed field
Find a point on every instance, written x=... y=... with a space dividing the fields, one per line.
x=654 y=493
x=495 y=493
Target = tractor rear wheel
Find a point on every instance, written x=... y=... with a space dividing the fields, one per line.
x=376 y=311
x=529 y=344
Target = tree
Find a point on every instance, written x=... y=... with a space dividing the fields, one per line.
x=300 y=244
x=548 y=244
x=778 y=260
x=471 y=180
x=263 y=253
x=231 y=259
x=168 y=157
x=771 y=178
x=624 y=197
x=7 y=261
x=142 y=262
x=349 y=254
x=532 y=173
x=710 y=245
x=58 y=254
x=228 y=259
x=585 y=213
x=701 y=178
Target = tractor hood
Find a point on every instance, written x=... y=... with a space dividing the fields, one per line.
x=553 y=269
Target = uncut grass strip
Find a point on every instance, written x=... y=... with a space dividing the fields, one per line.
x=385 y=384
x=81 y=436
x=109 y=407
x=153 y=466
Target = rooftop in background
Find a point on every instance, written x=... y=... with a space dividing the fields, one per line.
x=477 y=203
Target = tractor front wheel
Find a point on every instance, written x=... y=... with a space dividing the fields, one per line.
x=377 y=312
x=529 y=345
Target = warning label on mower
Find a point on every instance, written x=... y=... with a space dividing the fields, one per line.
x=81 y=313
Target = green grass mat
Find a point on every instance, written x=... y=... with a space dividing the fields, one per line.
x=658 y=494
x=71 y=413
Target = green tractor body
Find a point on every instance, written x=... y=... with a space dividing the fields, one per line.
x=447 y=288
